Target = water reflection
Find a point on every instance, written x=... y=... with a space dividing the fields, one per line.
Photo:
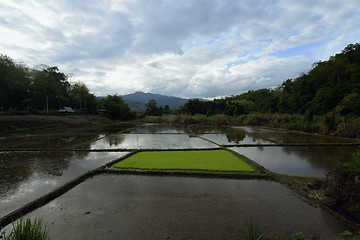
x=211 y=129
x=236 y=137
x=309 y=161
x=63 y=139
x=26 y=176
x=150 y=141
x=159 y=128
x=282 y=136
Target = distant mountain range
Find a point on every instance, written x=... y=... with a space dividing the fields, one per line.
x=138 y=100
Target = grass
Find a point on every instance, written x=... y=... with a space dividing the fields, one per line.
x=252 y=231
x=211 y=160
x=26 y=229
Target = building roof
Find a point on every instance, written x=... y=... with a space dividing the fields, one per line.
x=66 y=110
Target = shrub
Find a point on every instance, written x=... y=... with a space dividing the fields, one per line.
x=342 y=188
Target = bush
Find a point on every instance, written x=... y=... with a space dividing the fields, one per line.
x=342 y=188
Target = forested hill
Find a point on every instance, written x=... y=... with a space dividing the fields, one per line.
x=138 y=100
x=330 y=85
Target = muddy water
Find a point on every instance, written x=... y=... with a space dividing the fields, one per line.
x=144 y=207
x=151 y=141
x=26 y=176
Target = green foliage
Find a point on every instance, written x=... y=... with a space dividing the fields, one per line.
x=195 y=106
x=41 y=88
x=342 y=188
x=331 y=87
x=296 y=236
x=347 y=235
x=152 y=109
x=239 y=107
x=353 y=167
x=116 y=108
x=26 y=229
x=81 y=98
x=252 y=231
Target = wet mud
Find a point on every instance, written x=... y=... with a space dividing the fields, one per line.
x=148 y=207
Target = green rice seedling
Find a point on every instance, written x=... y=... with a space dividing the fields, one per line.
x=252 y=231
x=25 y=229
x=211 y=160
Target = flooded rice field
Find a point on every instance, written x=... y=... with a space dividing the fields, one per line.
x=131 y=206
x=144 y=207
x=26 y=176
x=57 y=138
x=280 y=136
x=307 y=161
x=150 y=141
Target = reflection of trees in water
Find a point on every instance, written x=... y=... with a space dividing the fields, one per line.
x=239 y=136
x=326 y=157
x=232 y=134
x=17 y=167
x=235 y=137
x=115 y=139
x=56 y=140
x=154 y=129
x=210 y=129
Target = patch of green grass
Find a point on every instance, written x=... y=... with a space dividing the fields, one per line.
x=26 y=229
x=213 y=160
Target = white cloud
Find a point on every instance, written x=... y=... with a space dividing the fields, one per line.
x=201 y=48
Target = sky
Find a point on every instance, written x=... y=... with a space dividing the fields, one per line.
x=184 y=48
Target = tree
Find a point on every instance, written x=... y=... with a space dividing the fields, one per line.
x=81 y=98
x=152 y=109
x=14 y=84
x=116 y=108
x=49 y=88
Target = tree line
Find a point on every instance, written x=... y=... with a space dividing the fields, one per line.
x=40 y=89
x=330 y=85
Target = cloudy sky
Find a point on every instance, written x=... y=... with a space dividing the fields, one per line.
x=184 y=48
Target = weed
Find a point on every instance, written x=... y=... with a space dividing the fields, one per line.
x=297 y=236
x=25 y=229
x=347 y=235
x=252 y=231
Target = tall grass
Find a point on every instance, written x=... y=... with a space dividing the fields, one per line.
x=26 y=229
x=252 y=231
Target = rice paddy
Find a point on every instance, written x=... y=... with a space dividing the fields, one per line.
x=209 y=160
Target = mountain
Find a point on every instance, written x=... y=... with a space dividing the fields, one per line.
x=137 y=101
